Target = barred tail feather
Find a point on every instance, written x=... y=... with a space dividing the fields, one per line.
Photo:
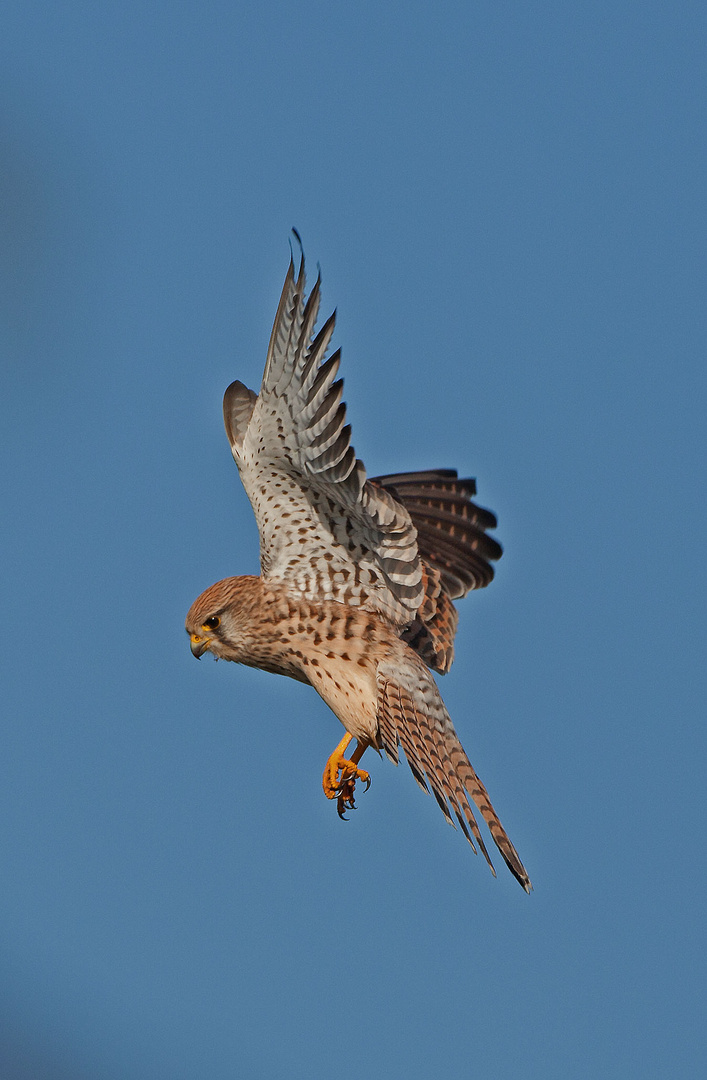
x=455 y=549
x=451 y=529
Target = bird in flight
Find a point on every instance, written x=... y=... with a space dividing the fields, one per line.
x=358 y=576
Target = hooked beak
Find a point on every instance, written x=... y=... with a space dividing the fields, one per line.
x=199 y=645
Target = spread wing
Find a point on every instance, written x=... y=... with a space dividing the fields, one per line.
x=325 y=530
x=411 y=714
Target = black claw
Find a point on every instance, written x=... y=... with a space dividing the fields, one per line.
x=345 y=804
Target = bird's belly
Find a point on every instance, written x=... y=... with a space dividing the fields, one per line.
x=350 y=692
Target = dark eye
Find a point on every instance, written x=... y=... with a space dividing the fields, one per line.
x=212 y=623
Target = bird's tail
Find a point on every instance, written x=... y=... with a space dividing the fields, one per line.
x=451 y=529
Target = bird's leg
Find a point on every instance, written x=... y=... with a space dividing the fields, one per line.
x=349 y=776
x=342 y=789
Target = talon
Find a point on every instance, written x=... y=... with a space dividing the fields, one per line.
x=346 y=801
x=340 y=776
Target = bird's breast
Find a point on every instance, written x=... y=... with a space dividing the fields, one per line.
x=334 y=647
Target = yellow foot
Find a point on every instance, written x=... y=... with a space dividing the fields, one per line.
x=342 y=787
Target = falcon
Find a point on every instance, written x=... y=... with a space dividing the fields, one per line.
x=358 y=576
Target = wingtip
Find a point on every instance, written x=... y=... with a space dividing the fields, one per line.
x=522 y=879
x=300 y=245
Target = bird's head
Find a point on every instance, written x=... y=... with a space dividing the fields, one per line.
x=214 y=619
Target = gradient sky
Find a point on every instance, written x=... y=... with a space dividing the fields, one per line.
x=508 y=205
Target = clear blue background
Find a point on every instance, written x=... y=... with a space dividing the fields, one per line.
x=508 y=204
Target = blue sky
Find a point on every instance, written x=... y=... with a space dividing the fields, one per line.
x=507 y=203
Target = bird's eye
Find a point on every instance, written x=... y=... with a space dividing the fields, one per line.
x=212 y=623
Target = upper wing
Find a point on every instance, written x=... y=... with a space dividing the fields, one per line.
x=324 y=529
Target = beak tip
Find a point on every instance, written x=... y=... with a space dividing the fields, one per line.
x=198 y=647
